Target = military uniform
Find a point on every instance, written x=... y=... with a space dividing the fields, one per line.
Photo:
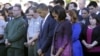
x=15 y=33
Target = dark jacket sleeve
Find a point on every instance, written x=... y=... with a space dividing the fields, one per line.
x=96 y=34
x=48 y=41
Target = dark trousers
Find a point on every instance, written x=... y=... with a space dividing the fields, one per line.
x=32 y=51
x=2 y=49
x=25 y=51
x=15 y=52
x=92 y=54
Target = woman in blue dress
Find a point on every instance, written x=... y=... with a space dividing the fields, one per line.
x=76 y=30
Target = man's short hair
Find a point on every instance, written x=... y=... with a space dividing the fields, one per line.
x=93 y=3
x=31 y=8
x=42 y=6
x=18 y=5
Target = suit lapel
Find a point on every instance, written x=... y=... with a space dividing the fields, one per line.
x=45 y=24
x=41 y=26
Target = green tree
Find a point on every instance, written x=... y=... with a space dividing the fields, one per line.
x=68 y=1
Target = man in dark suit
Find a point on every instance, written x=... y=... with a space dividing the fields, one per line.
x=93 y=8
x=15 y=34
x=46 y=31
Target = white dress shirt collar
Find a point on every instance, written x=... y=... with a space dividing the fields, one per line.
x=45 y=19
x=46 y=16
x=97 y=12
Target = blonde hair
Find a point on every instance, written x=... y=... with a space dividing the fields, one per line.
x=73 y=15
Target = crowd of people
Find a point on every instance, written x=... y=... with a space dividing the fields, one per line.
x=54 y=30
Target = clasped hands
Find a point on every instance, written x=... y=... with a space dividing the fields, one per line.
x=7 y=43
x=89 y=46
x=29 y=43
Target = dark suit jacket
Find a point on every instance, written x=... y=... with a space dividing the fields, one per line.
x=98 y=15
x=46 y=35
